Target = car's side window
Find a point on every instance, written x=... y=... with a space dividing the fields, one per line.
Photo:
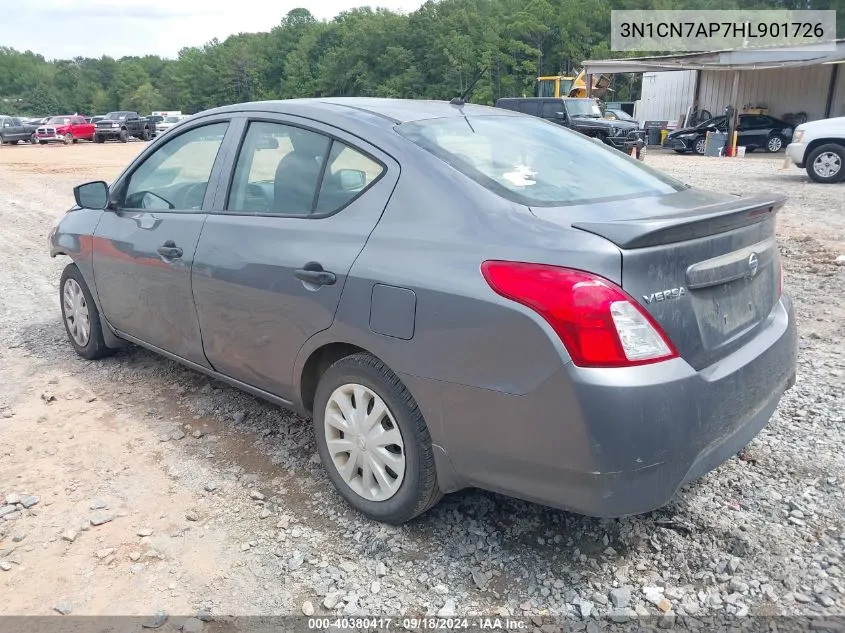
x=551 y=108
x=347 y=174
x=530 y=107
x=278 y=170
x=176 y=175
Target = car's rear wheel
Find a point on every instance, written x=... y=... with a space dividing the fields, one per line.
x=373 y=440
x=825 y=163
x=80 y=315
x=699 y=146
x=774 y=144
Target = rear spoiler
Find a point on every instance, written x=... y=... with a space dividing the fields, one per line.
x=686 y=225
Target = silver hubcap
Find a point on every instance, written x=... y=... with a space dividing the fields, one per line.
x=775 y=144
x=827 y=164
x=699 y=146
x=76 y=313
x=364 y=442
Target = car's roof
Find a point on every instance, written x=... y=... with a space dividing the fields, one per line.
x=390 y=111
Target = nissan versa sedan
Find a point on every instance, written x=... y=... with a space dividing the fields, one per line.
x=458 y=295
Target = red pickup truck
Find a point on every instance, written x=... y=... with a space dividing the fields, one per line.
x=66 y=129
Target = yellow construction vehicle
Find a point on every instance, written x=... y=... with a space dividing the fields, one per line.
x=563 y=86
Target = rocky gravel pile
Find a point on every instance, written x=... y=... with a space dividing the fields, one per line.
x=762 y=535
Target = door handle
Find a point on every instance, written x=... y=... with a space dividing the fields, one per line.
x=169 y=250
x=313 y=273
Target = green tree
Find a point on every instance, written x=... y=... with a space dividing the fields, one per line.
x=144 y=100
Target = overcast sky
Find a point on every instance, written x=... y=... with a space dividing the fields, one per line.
x=66 y=28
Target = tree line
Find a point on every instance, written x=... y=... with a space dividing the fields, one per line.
x=435 y=52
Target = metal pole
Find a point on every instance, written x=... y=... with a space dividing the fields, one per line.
x=828 y=107
x=589 y=79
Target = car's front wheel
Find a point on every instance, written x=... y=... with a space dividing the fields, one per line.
x=774 y=144
x=700 y=146
x=80 y=315
x=373 y=440
x=825 y=163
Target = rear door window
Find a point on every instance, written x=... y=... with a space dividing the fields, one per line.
x=530 y=107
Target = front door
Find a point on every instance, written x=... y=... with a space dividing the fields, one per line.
x=143 y=250
x=269 y=271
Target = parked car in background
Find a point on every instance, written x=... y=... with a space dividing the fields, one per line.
x=619 y=115
x=121 y=125
x=13 y=130
x=819 y=147
x=65 y=129
x=155 y=120
x=581 y=115
x=167 y=123
x=459 y=295
x=755 y=131
x=96 y=119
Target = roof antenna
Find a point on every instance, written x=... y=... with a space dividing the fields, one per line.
x=459 y=101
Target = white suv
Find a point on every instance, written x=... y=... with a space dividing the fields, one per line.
x=819 y=147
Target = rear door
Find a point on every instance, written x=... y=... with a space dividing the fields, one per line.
x=270 y=268
x=144 y=248
x=753 y=130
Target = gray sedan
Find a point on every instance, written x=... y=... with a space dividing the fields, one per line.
x=458 y=295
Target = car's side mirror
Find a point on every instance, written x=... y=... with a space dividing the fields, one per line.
x=352 y=179
x=92 y=195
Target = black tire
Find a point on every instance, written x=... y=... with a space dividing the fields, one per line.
x=680 y=151
x=95 y=347
x=124 y=137
x=827 y=155
x=69 y=139
x=145 y=135
x=699 y=146
x=774 y=144
x=42 y=142
x=33 y=140
x=98 y=138
x=419 y=490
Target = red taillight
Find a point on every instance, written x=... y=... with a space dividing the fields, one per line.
x=598 y=322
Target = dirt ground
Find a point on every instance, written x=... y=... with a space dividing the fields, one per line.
x=208 y=500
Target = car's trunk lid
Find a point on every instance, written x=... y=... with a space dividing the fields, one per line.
x=705 y=266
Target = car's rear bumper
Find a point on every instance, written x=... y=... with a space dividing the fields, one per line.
x=796 y=152
x=612 y=442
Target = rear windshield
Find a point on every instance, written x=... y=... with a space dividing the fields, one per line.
x=536 y=163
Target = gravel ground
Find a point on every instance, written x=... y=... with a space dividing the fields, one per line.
x=132 y=485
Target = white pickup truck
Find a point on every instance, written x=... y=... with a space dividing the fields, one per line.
x=819 y=147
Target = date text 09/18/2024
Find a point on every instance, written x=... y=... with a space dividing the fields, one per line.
x=423 y=623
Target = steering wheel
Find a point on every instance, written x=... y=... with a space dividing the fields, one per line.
x=196 y=190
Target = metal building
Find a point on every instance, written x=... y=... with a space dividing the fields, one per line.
x=786 y=80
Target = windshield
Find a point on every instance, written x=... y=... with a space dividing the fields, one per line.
x=717 y=121
x=621 y=115
x=533 y=162
x=59 y=120
x=171 y=119
x=582 y=107
x=116 y=116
